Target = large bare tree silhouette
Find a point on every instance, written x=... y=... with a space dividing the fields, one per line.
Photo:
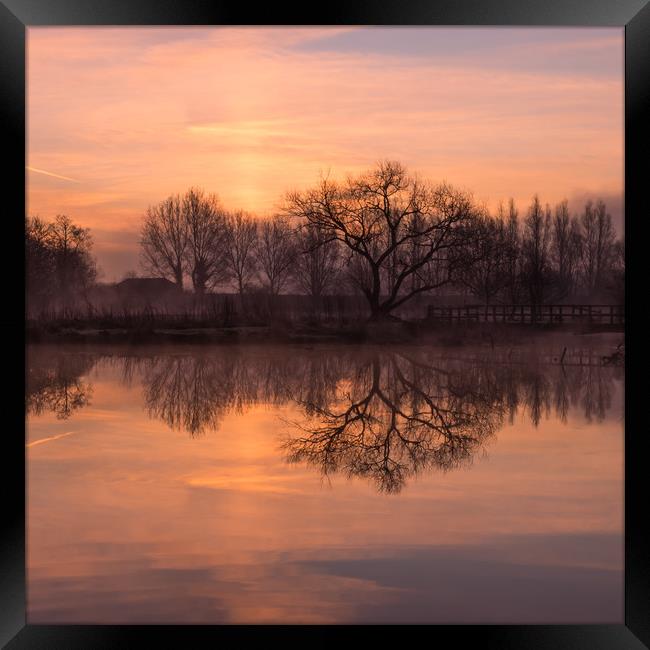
x=403 y=236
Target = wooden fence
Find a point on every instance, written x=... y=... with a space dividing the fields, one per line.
x=566 y=356
x=538 y=314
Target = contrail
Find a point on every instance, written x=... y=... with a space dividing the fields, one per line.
x=42 y=440
x=42 y=171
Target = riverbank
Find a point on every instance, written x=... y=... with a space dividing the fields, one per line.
x=455 y=335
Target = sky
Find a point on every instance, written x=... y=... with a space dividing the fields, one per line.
x=120 y=118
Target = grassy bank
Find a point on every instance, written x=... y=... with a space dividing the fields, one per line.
x=454 y=335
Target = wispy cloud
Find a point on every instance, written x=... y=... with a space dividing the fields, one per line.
x=52 y=174
x=49 y=439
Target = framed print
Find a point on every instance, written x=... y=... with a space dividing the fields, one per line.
x=327 y=323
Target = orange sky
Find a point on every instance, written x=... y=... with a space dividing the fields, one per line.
x=119 y=118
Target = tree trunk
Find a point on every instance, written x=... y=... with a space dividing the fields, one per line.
x=199 y=286
x=378 y=314
x=199 y=281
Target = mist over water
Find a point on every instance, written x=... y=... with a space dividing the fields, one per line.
x=329 y=484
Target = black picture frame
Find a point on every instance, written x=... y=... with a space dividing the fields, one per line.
x=634 y=15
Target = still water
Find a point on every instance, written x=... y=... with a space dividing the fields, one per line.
x=332 y=484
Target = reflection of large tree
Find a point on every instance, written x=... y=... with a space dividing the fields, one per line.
x=398 y=414
x=396 y=417
x=53 y=382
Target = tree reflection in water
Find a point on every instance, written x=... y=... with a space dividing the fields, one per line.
x=194 y=393
x=53 y=382
x=395 y=418
x=382 y=415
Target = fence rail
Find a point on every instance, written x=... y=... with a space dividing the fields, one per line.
x=534 y=314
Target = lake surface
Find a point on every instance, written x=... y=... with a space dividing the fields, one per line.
x=334 y=484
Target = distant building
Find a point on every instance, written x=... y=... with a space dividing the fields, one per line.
x=147 y=290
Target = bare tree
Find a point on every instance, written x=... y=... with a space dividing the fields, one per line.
x=39 y=264
x=605 y=244
x=59 y=264
x=240 y=249
x=73 y=267
x=207 y=239
x=276 y=253
x=164 y=240
x=598 y=250
x=589 y=248
x=565 y=249
x=615 y=285
x=575 y=252
x=535 y=251
x=513 y=249
x=399 y=232
x=317 y=261
x=487 y=276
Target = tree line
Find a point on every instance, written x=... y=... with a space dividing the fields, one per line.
x=385 y=234
x=59 y=262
